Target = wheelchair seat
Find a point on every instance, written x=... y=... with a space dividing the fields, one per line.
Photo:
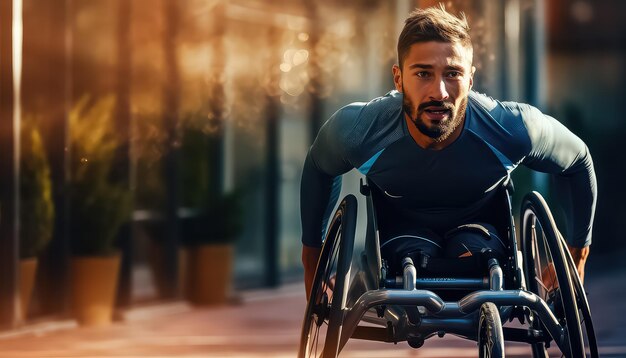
x=496 y=212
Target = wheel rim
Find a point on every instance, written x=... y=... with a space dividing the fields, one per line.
x=591 y=345
x=545 y=282
x=323 y=320
x=548 y=275
x=321 y=308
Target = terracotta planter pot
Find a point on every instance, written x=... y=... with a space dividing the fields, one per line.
x=209 y=274
x=28 y=270
x=94 y=285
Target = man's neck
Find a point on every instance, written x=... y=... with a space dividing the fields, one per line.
x=427 y=142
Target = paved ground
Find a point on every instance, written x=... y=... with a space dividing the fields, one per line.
x=265 y=324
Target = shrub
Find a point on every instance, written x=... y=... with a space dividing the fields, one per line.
x=98 y=204
x=36 y=205
x=216 y=217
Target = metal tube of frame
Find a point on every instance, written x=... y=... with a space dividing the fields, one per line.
x=496 y=277
x=410 y=273
x=440 y=283
x=474 y=300
x=463 y=326
x=435 y=305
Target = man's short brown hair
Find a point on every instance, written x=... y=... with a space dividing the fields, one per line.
x=432 y=24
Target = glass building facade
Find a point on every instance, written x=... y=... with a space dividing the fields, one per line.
x=259 y=78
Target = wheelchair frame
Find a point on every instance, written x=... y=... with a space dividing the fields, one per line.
x=373 y=297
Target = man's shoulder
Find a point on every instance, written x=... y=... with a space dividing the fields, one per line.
x=500 y=110
x=390 y=99
x=501 y=124
x=363 y=119
x=378 y=107
x=363 y=128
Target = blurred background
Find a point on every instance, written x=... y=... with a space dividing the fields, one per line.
x=148 y=130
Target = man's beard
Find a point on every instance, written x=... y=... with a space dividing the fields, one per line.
x=443 y=130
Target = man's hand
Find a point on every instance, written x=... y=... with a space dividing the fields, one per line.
x=310 y=255
x=580 y=258
x=579 y=255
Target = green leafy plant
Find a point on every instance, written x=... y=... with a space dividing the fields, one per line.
x=36 y=205
x=98 y=204
x=214 y=217
x=218 y=222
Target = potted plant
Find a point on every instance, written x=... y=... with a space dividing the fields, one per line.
x=210 y=222
x=36 y=207
x=98 y=208
x=209 y=236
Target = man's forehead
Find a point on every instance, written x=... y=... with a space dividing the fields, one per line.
x=434 y=52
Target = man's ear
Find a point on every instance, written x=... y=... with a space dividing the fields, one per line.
x=397 y=77
x=472 y=77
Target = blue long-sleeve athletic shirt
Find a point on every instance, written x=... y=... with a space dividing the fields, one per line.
x=439 y=189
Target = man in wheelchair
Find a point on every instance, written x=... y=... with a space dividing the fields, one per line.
x=437 y=154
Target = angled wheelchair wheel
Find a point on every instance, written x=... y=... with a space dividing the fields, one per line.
x=548 y=275
x=490 y=335
x=321 y=328
x=584 y=311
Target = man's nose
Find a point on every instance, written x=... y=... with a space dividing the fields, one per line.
x=438 y=91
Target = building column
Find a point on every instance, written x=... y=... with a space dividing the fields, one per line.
x=52 y=282
x=171 y=106
x=272 y=177
x=123 y=163
x=533 y=22
x=10 y=73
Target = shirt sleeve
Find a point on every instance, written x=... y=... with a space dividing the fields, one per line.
x=555 y=149
x=320 y=187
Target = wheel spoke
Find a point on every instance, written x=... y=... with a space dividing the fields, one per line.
x=331 y=268
x=316 y=336
x=539 y=281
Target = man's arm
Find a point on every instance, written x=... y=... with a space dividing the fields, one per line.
x=556 y=150
x=317 y=198
x=310 y=255
x=321 y=186
x=580 y=258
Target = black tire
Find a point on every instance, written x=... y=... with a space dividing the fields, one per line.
x=547 y=274
x=323 y=319
x=490 y=335
x=584 y=312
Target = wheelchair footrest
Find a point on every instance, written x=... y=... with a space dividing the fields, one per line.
x=373 y=334
x=527 y=335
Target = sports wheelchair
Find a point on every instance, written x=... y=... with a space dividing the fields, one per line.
x=537 y=284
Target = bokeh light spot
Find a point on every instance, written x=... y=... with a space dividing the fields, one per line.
x=300 y=57
x=303 y=36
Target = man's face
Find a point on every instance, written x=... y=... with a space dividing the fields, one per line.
x=436 y=78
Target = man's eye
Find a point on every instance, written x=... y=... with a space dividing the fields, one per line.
x=423 y=74
x=453 y=74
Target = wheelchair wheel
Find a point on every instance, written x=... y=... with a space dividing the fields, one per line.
x=548 y=276
x=490 y=336
x=584 y=311
x=323 y=320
